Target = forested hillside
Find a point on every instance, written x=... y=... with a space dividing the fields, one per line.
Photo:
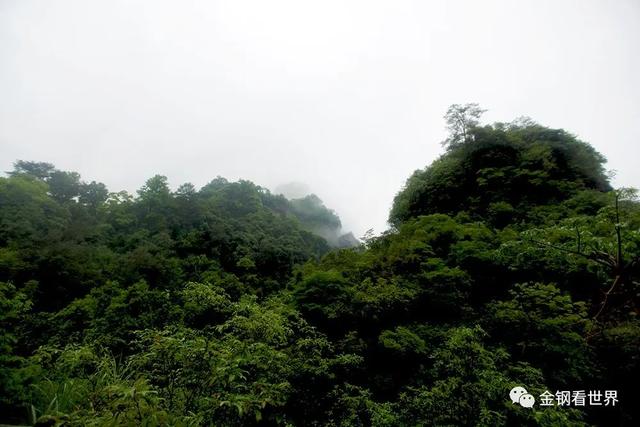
x=511 y=261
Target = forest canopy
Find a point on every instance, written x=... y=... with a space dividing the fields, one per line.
x=511 y=261
x=505 y=173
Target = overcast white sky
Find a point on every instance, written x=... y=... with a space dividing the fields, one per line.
x=345 y=96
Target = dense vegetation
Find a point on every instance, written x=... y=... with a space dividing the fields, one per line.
x=511 y=261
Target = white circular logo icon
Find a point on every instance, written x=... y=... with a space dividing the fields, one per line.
x=527 y=400
x=520 y=396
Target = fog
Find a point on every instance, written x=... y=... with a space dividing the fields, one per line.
x=344 y=98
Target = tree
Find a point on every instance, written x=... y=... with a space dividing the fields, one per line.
x=460 y=120
x=64 y=186
x=616 y=252
x=186 y=190
x=155 y=190
x=93 y=194
x=40 y=170
x=502 y=174
x=217 y=307
x=545 y=328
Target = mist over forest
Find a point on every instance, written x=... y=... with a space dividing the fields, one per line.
x=510 y=261
x=345 y=97
x=319 y=213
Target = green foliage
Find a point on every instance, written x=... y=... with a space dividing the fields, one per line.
x=501 y=173
x=403 y=341
x=14 y=373
x=71 y=236
x=323 y=295
x=509 y=264
x=88 y=387
x=204 y=304
x=355 y=406
x=64 y=186
x=468 y=388
x=461 y=119
x=545 y=328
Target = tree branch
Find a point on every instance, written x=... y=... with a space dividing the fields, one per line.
x=590 y=257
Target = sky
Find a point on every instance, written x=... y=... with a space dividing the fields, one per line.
x=344 y=97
